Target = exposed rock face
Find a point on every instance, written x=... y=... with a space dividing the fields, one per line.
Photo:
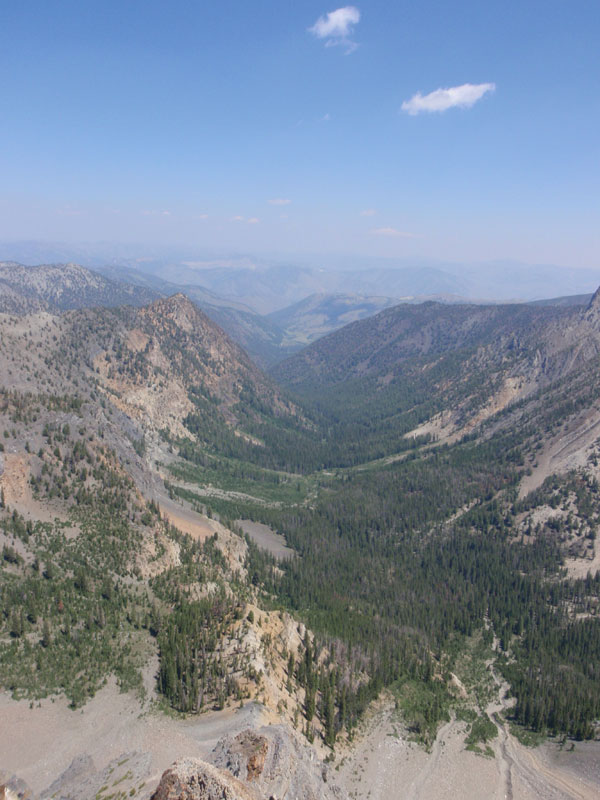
x=271 y=763
x=13 y=788
x=595 y=301
x=245 y=755
x=192 y=779
x=277 y=763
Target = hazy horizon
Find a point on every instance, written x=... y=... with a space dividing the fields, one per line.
x=224 y=257
x=268 y=282
x=429 y=132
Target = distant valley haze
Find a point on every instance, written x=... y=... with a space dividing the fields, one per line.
x=268 y=282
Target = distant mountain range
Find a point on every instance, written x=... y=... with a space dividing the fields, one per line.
x=268 y=338
x=320 y=314
x=275 y=287
x=399 y=368
x=270 y=284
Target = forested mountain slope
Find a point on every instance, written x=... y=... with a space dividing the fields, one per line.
x=160 y=364
x=389 y=344
x=319 y=314
x=396 y=468
x=94 y=577
x=438 y=370
x=59 y=287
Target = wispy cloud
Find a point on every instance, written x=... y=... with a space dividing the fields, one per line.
x=249 y=220
x=326 y=118
x=336 y=27
x=368 y=212
x=393 y=232
x=156 y=213
x=463 y=96
x=280 y=201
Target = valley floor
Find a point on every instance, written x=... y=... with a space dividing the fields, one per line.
x=386 y=765
x=38 y=744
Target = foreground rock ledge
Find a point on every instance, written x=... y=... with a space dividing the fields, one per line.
x=193 y=779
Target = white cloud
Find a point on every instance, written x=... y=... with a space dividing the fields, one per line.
x=337 y=26
x=249 y=220
x=368 y=212
x=156 y=213
x=392 y=232
x=463 y=96
x=326 y=118
x=280 y=201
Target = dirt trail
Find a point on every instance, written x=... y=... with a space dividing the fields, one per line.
x=416 y=788
x=501 y=746
x=525 y=766
x=384 y=765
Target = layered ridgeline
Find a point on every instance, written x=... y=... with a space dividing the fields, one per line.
x=62 y=287
x=409 y=461
x=258 y=335
x=59 y=287
x=436 y=370
x=320 y=314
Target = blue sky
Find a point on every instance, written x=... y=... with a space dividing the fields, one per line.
x=271 y=126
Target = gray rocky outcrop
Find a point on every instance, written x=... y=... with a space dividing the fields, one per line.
x=13 y=788
x=193 y=779
x=271 y=763
x=276 y=761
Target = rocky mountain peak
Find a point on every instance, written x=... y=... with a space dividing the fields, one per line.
x=271 y=762
x=591 y=314
x=193 y=779
x=180 y=310
x=179 y=319
x=177 y=301
x=594 y=303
